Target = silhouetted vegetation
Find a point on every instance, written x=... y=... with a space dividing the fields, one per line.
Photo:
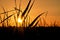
x=15 y=33
x=25 y=31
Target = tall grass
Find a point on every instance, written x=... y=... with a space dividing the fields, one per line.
x=44 y=22
x=7 y=11
x=28 y=13
x=44 y=19
x=7 y=18
x=29 y=10
x=17 y=13
x=36 y=19
x=36 y=23
x=19 y=9
x=24 y=16
x=26 y=9
x=40 y=22
x=4 y=16
x=15 y=20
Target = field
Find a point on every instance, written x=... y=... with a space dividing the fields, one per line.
x=12 y=33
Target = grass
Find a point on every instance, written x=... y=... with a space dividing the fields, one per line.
x=7 y=18
x=29 y=10
x=24 y=15
x=36 y=23
x=19 y=11
x=26 y=9
x=5 y=14
x=15 y=20
x=36 y=19
x=26 y=31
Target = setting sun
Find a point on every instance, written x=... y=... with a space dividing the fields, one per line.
x=19 y=20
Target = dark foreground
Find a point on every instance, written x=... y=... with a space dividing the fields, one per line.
x=9 y=33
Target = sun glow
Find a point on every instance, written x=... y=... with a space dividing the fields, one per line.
x=19 y=20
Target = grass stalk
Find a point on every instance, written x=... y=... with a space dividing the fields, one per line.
x=36 y=23
x=36 y=19
x=26 y=9
x=7 y=17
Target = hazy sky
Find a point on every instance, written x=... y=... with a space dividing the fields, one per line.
x=52 y=6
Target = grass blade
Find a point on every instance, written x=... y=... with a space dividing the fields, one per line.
x=7 y=11
x=7 y=18
x=15 y=21
x=36 y=19
x=15 y=4
x=40 y=22
x=19 y=9
x=26 y=9
x=4 y=15
x=29 y=10
x=36 y=23
x=44 y=22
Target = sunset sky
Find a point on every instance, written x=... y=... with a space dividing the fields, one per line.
x=52 y=6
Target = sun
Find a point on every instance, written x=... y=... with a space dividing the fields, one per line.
x=19 y=20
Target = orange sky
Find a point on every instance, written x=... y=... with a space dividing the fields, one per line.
x=52 y=6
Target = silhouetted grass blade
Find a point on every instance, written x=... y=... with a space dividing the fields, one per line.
x=4 y=15
x=15 y=4
x=29 y=9
x=36 y=19
x=26 y=9
x=40 y=21
x=7 y=18
x=28 y=12
x=44 y=22
x=7 y=11
x=15 y=20
x=36 y=24
x=19 y=9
